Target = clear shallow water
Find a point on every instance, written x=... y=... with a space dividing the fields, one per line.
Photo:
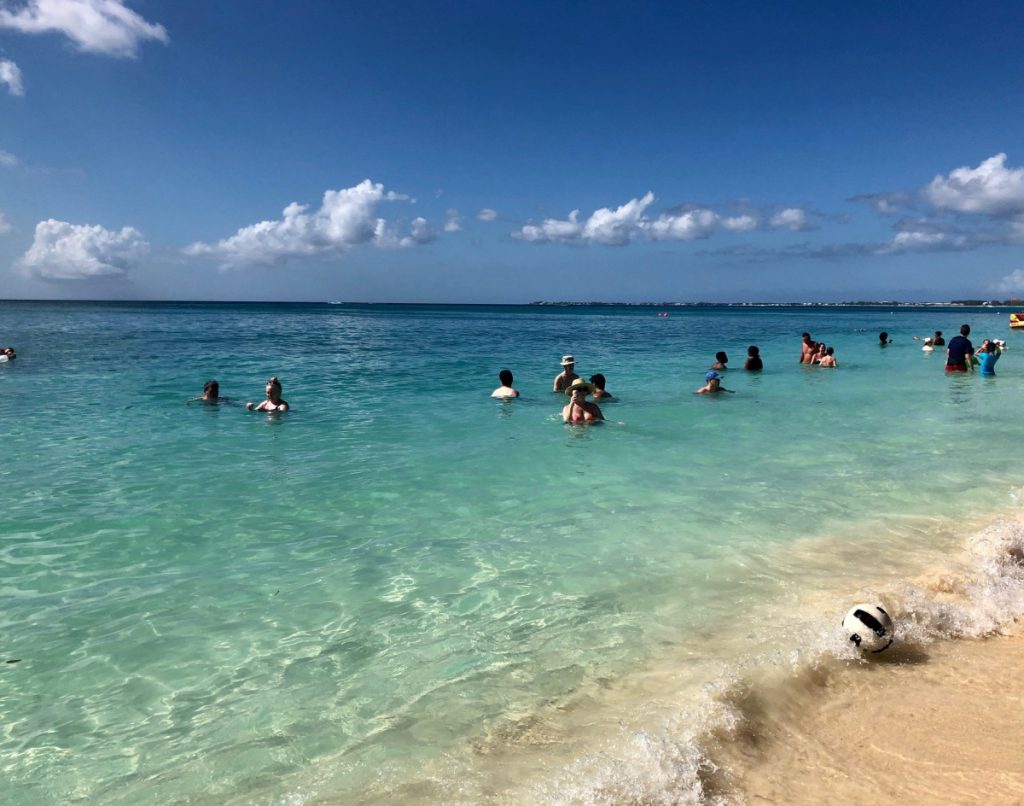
x=212 y=605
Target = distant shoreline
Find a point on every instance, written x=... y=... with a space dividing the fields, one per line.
x=953 y=304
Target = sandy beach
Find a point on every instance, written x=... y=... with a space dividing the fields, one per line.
x=940 y=724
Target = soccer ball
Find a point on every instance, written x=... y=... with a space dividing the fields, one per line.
x=869 y=627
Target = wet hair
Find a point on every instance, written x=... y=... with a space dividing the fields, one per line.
x=805 y=336
x=505 y=376
x=883 y=336
x=938 y=333
x=721 y=357
x=752 y=350
x=965 y=330
x=829 y=351
x=598 y=380
x=211 y=386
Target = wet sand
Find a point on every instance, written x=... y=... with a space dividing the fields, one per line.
x=939 y=724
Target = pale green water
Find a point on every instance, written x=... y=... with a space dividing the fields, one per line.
x=212 y=605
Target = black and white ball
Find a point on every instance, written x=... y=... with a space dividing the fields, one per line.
x=869 y=628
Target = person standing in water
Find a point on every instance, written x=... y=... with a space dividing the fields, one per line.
x=505 y=390
x=960 y=351
x=807 y=349
x=566 y=376
x=753 y=362
x=597 y=380
x=988 y=354
x=273 y=402
x=579 y=409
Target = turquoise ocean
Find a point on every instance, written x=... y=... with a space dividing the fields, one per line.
x=404 y=590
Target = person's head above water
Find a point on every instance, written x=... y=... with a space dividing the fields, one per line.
x=753 y=351
x=883 y=337
x=568 y=361
x=965 y=330
x=211 y=390
x=505 y=376
x=597 y=379
x=721 y=357
x=273 y=389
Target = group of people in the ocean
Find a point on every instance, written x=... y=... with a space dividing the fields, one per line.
x=7 y=354
x=816 y=353
x=272 y=402
x=960 y=357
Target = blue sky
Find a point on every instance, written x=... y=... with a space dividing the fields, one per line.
x=473 y=152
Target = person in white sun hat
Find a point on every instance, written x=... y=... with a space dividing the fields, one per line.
x=566 y=376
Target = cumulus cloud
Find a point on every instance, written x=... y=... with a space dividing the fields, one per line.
x=792 y=218
x=95 y=26
x=7 y=159
x=5 y=225
x=10 y=74
x=686 y=225
x=63 y=251
x=421 y=232
x=346 y=218
x=991 y=189
x=605 y=226
x=452 y=220
x=630 y=221
x=487 y=214
x=1012 y=284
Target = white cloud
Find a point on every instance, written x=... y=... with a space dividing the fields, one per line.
x=617 y=227
x=991 y=189
x=553 y=229
x=1011 y=284
x=605 y=226
x=346 y=218
x=688 y=225
x=421 y=232
x=452 y=220
x=5 y=225
x=487 y=214
x=63 y=251
x=792 y=218
x=95 y=26
x=10 y=74
x=740 y=223
x=7 y=159
x=629 y=221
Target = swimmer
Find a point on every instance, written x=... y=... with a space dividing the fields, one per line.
x=929 y=345
x=828 y=360
x=566 y=376
x=579 y=409
x=807 y=348
x=505 y=390
x=273 y=401
x=9 y=353
x=600 y=393
x=721 y=361
x=753 y=362
x=883 y=339
x=713 y=385
x=211 y=394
